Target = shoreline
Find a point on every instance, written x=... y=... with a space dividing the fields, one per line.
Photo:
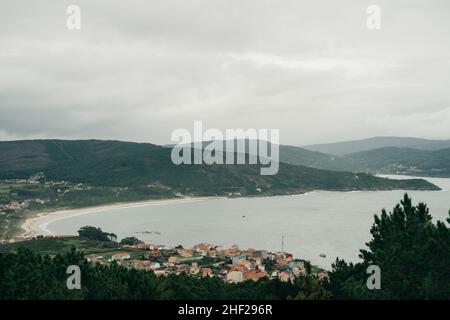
x=37 y=224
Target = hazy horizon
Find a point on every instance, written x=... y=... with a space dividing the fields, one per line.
x=170 y=144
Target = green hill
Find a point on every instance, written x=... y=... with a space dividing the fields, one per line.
x=300 y=157
x=120 y=164
x=347 y=147
x=403 y=161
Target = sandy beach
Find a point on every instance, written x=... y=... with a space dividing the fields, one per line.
x=37 y=225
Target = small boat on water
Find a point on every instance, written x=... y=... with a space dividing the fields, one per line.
x=148 y=232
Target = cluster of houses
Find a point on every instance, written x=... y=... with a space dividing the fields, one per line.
x=34 y=179
x=39 y=178
x=206 y=260
x=17 y=205
x=61 y=187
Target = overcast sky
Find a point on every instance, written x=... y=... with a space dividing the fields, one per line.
x=137 y=70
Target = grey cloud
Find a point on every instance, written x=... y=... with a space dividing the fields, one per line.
x=139 y=69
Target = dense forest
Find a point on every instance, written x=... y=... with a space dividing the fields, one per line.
x=412 y=252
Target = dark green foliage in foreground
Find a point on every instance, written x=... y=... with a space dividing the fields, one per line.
x=26 y=275
x=412 y=252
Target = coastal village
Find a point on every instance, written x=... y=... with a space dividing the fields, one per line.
x=37 y=193
x=24 y=199
x=231 y=264
x=207 y=260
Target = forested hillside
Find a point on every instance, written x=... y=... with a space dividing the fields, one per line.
x=119 y=164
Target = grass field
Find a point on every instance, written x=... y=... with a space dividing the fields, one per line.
x=52 y=246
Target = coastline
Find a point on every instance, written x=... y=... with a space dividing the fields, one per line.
x=37 y=224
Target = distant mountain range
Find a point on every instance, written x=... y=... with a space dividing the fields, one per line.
x=298 y=156
x=116 y=163
x=348 y=147
x=406 y=161
x=388 y=160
